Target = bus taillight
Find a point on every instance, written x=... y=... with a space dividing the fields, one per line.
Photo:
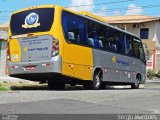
x=55 y=47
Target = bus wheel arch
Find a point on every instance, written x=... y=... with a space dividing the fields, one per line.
x=136 y=84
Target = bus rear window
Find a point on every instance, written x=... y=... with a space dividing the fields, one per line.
x=31 y=21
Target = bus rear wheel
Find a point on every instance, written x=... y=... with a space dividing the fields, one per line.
x=96 y=83
x=55 y=85
x=136 y=85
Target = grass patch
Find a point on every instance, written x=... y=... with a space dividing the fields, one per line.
x=22 y=86
x=4 y=88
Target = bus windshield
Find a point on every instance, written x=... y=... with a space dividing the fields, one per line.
x=31 y=21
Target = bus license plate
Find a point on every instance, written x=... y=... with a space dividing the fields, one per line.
x=30 y=67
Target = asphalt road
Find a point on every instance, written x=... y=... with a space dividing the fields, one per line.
x=78 y=101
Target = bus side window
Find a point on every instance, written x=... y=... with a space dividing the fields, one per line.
x=100 y=43
x=136 y=50
x=129 y=40
x=91 y=42
x=131 y=46
x=119 y=43
x=112 y=40
x=101 y=37
x=107 y=43
x=81 y=35
x=71 y=36
x=95 y=37
x=146 y=51
x=142 y=55
x=95 y=34
x=74 y=28
x=92 y=32
x=122 y=42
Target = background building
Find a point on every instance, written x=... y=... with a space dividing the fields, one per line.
x=147 y=28
x=3 y=43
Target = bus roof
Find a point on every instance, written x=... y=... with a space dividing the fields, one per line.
x=85 y=14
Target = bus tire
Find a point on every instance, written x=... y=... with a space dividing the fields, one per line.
x=55 y=85
x=97 y=81
x=136 y=85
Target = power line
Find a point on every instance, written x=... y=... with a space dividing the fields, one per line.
x=131 y=8
x=121 y=1
x=114 y=9
x=108 y=10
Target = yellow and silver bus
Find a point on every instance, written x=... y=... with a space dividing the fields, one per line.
x=54 y=44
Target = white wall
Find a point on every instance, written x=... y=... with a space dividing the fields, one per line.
x=3 y=34
x=157 y=36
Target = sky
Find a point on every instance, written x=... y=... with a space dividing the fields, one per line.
x=99 y=7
